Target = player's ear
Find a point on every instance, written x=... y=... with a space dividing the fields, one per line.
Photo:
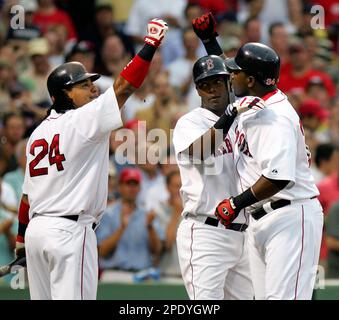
x=250 y=81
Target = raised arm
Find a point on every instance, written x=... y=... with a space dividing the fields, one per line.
x=133 y=75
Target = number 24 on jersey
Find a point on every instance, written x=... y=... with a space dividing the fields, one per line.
x=53 y=152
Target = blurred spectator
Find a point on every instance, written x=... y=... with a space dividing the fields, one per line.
x=248 y=9
x=279 y=42
x=114 y=57
x=142 y=99
x=7 y=78
x=217 y=7
x=297 y=77
x=332 y=241
x=334 y=122
x=173 y=46
x=144 y=10
x=128 y=237
x=12 y=133
x=326 y=160
x=49 y=15
x=329 y=190
x=113 y=193
x=180 y=71
x=121 y=11
x=252 y=30
x=8 y=198
x=169 y=214
x=83 y=52
x=148 y=161
x=57 y=42
x=314 y=117
x=16 y=178
x=22 y=103
x=316 y=89
x=158 y=193
x=288 y=12
x=104 y=26
x=229 y=45
x=35 y=79
x=8 y=230
x=161 y=114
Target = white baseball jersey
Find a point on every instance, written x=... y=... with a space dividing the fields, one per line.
x=67 y=160
x=213 y=260
x=207 y=183
x=283 y=245
x=277 y=150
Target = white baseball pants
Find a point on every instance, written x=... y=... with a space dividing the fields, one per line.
x=284 y=248
x=213 y=262
x=62 y=259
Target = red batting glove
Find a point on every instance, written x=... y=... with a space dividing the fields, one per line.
x=226 y=212
x=156 y=30
x=205 y=27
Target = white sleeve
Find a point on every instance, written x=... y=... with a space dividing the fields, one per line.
x=186 y=132
x=274 y=146
x=98 y=117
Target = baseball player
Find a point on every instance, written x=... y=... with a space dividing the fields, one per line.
x=213 y=258
x=272 y=162
x=66 y=178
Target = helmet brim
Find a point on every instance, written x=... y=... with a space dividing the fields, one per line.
x=85 y=76
x=231 y=65
x=206 y=75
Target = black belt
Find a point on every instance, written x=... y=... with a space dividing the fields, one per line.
x=259 y=213
x=75 y=218
x=233 y=226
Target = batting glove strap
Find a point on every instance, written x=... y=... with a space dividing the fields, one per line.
x=226 y=212
x=156 y=30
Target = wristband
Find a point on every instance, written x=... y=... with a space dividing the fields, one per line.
x=212 y=46
x=225 y=122
x=244 y=199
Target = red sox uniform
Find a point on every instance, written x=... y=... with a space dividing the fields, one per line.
x=284 y=243
x=213 y=260
x=67 y=151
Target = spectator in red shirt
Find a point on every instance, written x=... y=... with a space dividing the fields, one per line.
x=297 y=77
x=329 y=194
x=215 y=6
x=49 y=15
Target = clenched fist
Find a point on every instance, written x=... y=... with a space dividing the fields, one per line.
x=226 y=212
x=156 y=30
x=205 y=27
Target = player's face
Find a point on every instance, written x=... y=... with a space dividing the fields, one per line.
x=213 y=92
x=239 y=83
x=83 y=92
